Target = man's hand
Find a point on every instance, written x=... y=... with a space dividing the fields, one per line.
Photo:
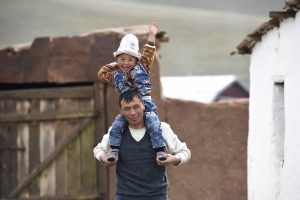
x=103 y=160
x=171 y=160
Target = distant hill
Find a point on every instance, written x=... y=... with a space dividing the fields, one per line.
x=200 y=40
x=256 y=7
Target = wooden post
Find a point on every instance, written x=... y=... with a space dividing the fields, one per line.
x=100 y=130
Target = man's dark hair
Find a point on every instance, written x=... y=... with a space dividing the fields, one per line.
x=128 y=96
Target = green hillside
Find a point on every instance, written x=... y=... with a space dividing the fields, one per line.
x=200 y=40
x=257 y=7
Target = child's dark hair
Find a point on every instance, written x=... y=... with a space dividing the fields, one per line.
x=128 y=96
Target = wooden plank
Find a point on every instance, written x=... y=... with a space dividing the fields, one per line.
x=47 y=116
x=2 y=106
x=2 y=175
x=34 y=147
x=38 y=169
x=61 y=161
x=86 y=105
x=3 y=143
x=88 y=162
x=23 y=145
x=63 y=130
x=8 y=172
x=10 y=157
x=23 y=156
x=74 y=167
x=22 y=107
x=100 y=129
x=49 y=93
x=112 y=109
x=47 y=144
x=73 y=149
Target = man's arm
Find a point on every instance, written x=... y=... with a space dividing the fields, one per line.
x=100 y=152
x=106 y=73
x=178 y=150
x=102 y=147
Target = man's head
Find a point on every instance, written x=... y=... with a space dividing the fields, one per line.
x=132 y=108
x=128 y=54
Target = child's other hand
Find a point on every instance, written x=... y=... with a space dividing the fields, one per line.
x=153 y=28
x=113 y=64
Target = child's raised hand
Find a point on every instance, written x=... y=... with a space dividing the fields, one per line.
x=153 y=28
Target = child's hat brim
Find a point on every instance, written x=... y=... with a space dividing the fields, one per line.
x=136 y=55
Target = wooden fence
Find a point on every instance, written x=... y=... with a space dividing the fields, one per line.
x=46 y=141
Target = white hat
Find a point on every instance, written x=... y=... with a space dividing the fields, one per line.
x=129 y=45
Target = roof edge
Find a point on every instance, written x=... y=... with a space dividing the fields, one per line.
x=289 y=10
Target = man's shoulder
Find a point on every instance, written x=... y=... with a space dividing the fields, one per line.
x=164 y=126
x=167 y=131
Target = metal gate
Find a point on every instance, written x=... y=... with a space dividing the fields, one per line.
x=46 y=141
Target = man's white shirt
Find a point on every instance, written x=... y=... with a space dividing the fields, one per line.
x=173 y=145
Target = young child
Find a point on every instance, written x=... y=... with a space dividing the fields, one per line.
x=131 y=72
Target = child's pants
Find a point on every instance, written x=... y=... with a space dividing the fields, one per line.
x=152 y=126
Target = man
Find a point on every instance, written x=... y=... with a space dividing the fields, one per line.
x=140 y=175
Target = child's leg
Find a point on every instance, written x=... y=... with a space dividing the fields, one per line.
x=115 y=136
x=155 y=132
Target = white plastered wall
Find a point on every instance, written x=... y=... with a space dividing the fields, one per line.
x=276 y=57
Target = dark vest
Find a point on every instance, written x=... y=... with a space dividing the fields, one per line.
x=137 y=171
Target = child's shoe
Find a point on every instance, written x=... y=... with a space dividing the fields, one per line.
x=161 y=155
x=114 y=154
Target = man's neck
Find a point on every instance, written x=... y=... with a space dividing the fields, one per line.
x=138 y=126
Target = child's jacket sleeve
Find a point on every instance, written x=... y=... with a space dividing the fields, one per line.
x=106 y=74
x=147 y=57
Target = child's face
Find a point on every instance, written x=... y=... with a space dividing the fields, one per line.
x=126 y=62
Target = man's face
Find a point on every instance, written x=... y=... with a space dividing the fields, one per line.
x=126 y=62
x=133 y=112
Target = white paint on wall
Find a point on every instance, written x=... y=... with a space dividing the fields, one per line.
x=269 y=143
x=291 y=171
